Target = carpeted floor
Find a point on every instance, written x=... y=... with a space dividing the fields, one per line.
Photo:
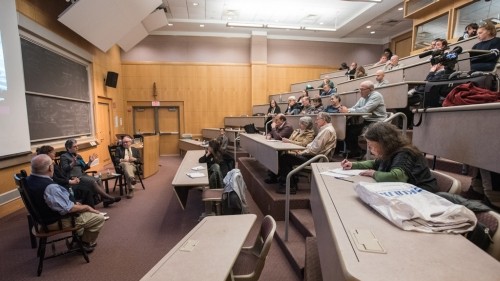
x=138 y=234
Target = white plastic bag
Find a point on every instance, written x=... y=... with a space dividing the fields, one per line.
x=412 y=208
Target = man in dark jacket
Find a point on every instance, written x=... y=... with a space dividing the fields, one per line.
x=128 y=157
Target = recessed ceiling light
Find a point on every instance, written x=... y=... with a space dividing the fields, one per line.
x=372 y=32
x=400 y=8
x=368 y=26
x=170 y=24
x=229 y=18
x=195 y=4
x=321 y=23
x=202 y=25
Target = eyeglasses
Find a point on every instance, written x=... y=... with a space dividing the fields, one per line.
x=74 y=146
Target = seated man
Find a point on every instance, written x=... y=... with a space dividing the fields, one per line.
x=379 y=77
x=372 y=102
x=323 y=143
x=53 y=200
x=327 y=90
x=280 y=128
x=393 y=63
x=307 y=107
x=222 y=139
x=128 y=157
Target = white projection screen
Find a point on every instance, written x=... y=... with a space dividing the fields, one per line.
x=15 y=139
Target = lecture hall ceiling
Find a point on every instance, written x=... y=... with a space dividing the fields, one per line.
x=349 y=18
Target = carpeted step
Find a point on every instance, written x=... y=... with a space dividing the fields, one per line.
x=265 y=196
x=294 y=249
x=303 y=220
x=312 y=267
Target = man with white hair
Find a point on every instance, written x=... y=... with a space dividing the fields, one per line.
x=53 y=201
x=372 y=103
x=393 y=63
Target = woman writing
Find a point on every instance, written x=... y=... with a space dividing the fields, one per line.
x=396 y=159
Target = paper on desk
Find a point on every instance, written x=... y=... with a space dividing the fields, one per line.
x=346 y=172
x=195 y=175
x=198 y=168
x=273 y=140
x=336 y=175
x=189 y=245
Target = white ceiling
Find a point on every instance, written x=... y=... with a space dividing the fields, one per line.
x=348 y=17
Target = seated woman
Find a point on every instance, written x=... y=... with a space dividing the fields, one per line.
x=217 y=167
x=304 y=134
x=318 y=105
x=396 y=159
x=79 y=191
x=360 y=72
x=486 y=34
x=271 y=112
x=335 y=104
x=73 y=166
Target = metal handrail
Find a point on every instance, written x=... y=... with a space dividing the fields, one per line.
x=287 y=196
x=403 y=116
x=265 y=125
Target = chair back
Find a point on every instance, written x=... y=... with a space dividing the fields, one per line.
x=263 y=242
x=447 y=183
x=20 y=180
x=114 y=158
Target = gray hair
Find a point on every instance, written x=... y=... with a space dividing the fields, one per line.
x=306 y=121
x=40 y=164
x=369 y=84
x=325 y=116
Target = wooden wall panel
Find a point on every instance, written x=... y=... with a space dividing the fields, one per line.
x=280 y=77
x=208 y=92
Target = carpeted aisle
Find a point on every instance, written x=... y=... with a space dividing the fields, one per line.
x=138 y=234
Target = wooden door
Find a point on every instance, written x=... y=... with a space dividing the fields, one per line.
x=144 y=120
x=169 y=126
x=104 y=130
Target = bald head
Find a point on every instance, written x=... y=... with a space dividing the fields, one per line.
x=41 y=165
x=379 y=75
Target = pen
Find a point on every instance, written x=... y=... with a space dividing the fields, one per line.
x=339 y=178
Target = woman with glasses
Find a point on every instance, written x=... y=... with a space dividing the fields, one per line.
x=73 y=166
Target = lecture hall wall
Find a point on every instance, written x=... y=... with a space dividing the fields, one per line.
x=45 y=14
x=210 y=77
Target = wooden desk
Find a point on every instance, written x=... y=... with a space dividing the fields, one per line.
x=265 y=151
x=182 y=183
x=150 y=154
x=410 y=255
x=189 y=144
x=466 y=134
x=220 y=239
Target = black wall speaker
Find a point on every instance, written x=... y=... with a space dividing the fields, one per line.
x=111 y=79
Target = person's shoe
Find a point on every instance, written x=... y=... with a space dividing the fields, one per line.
x=73 y=246
x=117 y=199
x=132 y=180
x=130 y=194
x=107 y=202
x=90 y=244
x=103 y=213
x=271 y=180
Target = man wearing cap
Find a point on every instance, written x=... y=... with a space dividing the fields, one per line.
x=293 y=107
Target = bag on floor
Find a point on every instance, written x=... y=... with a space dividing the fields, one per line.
x=231 y=203
x=411 y=208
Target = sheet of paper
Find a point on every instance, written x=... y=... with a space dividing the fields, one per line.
x=346 y=172
x=195 y=175
x=336 y=175
x=198 y=168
